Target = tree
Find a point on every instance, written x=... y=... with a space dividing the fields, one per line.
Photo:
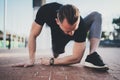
x=1 y=32
x=116 y=33
x=116 y=21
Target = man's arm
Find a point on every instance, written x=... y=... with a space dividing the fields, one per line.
x=78 y=50
x=35 y=31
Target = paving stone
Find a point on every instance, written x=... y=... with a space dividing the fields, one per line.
x=72 y=72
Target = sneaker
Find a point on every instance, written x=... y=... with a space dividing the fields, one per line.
x=94 y=61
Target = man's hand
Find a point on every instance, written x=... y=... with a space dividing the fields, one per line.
x=45 y=61
x=23 y=65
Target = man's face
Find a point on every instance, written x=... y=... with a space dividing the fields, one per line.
x=66 y=27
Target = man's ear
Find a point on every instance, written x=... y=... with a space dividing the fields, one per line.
x=57 y=21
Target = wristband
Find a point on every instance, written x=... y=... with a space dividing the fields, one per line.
x=52 y=61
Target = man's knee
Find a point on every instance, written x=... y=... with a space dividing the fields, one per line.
x=96 y=15
x=95 y=30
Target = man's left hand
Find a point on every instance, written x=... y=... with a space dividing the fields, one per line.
x=45 y=61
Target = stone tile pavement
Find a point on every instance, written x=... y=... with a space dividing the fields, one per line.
x=111 y=56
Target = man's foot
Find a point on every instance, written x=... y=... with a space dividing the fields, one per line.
x=94 y=61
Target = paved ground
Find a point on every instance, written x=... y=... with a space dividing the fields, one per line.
x=111 y=56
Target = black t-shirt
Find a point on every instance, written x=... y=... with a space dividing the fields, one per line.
x=47 y=14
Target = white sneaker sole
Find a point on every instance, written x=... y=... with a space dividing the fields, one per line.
x=87 y=64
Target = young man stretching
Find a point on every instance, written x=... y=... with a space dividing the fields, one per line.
x=67 y=24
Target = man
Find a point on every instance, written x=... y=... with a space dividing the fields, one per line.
x=67 y=24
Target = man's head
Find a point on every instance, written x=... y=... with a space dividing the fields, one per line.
x=68 y=18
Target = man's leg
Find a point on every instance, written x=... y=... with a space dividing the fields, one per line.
x=57 y=52
x=56 y=55
x=94 y=43
x=93 y=22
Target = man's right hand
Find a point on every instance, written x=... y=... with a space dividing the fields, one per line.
x=23 y=65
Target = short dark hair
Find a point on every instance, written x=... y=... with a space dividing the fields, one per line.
x=70 y=12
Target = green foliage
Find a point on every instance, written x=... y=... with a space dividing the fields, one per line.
x=116 y=21
x=1 y=32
